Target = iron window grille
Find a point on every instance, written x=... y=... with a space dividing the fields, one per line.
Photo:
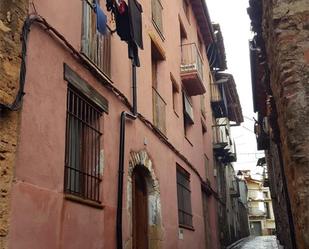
x=184 y=198
x=82 y=154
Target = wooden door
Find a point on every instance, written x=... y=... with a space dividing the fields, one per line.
x=140 y=210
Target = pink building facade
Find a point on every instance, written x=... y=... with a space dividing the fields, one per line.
x=72 y=111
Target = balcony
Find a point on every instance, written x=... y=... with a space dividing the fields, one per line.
x=191 y=69
x=256 y=212
x=220 y=139
x=96 y=47
x=218 y=100
x=159 y=111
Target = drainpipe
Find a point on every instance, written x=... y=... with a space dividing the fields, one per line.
x=132 y=116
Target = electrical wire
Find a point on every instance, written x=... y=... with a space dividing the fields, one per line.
x=16 y=104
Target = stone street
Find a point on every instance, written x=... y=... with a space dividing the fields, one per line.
x=259 y=242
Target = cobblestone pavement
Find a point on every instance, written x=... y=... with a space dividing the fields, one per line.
x=259 y=242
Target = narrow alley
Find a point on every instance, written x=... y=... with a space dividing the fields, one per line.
x=258 y=242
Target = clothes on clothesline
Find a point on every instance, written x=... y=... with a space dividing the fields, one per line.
x=129 y=25
x=101 y=18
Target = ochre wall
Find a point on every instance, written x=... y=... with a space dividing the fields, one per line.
x=12 y=15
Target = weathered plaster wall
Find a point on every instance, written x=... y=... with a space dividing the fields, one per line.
x=286 y=34
x=12 y=15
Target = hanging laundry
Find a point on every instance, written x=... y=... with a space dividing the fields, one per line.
x=135 y=15
x=129 y=27
x=109 y=5
x=133 y=53
x=101 y=18
x=122 y=21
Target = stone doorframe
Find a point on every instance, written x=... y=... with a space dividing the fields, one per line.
x=155 y=229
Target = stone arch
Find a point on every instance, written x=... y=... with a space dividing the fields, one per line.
x=155 y=229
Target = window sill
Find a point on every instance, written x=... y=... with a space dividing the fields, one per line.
x=95 y=68
x=83 y=201
x=187 y=227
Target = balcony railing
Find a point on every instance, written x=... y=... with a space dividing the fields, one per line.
x=94 y=45
x=156 y=12
x=218 y=100
x=220 y=138
x=255 y=211
x=159 y=112
x=192 y=69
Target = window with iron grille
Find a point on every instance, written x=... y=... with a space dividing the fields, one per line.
x=82 y=155
x=184 y=198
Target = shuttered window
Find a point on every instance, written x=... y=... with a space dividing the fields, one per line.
x=184 y=198
x=156 y=12
x=94 y=45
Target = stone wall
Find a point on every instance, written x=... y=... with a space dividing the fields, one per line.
x=12 y=16
x=286 y=36
x=279 y=198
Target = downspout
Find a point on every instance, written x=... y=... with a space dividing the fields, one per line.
x=132 y=116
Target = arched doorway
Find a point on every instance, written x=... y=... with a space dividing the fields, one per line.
x=143 y=203
x=140 y=208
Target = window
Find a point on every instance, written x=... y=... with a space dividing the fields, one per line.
x=158 y=103
x=265 y=194
x=94 y=45
x=267 y=211
x=156 y=12
x=188 y=118
x=175 y=92
x=82 y=154
x=184 y=198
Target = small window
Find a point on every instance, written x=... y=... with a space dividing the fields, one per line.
x=156 y=13
x=94 y=45
x=175 y=92
x=184 y=198
x=188 y=118
x=158 y=103
x=82 y=154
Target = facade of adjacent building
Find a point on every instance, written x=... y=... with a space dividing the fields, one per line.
x=226 y=112
x=99 y=153
x=279 y=54
x=260 y=208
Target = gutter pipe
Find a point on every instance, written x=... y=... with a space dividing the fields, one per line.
x=124 y=116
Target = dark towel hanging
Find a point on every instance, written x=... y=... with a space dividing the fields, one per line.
x=135 y=15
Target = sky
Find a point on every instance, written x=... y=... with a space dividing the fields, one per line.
x=235 y=26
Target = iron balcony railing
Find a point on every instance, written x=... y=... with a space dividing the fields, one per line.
x=191 y=60
x=94 y=45
x=255 y=211
x=156 y=12
x=219 y=135
x=159 y=111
